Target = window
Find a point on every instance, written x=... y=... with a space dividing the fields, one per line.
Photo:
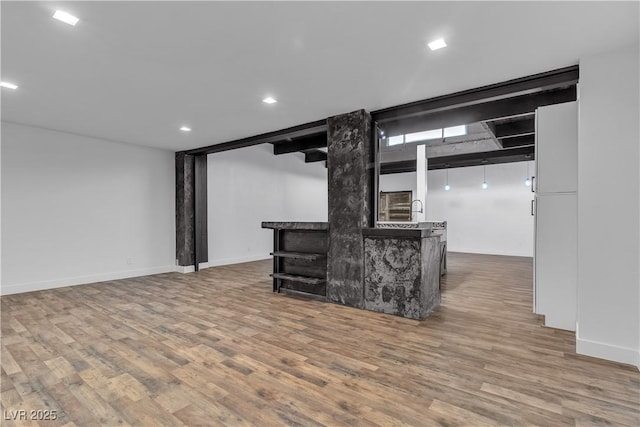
x=424 y=135
x=427 y=135
x=455 y=131
x=395 y=140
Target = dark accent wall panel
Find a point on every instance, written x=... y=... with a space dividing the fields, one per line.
x=350 y=150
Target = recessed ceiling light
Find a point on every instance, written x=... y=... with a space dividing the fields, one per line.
x=8 y=85
x=437 y=44
x=269 y=100
x=185 y=129
x=65 y=17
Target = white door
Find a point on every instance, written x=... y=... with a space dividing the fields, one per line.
x=556 y=260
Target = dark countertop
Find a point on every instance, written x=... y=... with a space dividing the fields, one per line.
x=416 y=233
x=289 y=225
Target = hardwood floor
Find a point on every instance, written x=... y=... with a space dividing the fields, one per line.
x=219 y=348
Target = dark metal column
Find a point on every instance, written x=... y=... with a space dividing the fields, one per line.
x=191 y=209
x=200 y=216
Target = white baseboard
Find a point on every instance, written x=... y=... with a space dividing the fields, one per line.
x=228 y=261
x=482 y=252
x=551 y=321
x=82 y=280
x=606 y=351
x=220 y=262
x=190 y=268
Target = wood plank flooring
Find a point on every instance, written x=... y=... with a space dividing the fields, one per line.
x=217 y=347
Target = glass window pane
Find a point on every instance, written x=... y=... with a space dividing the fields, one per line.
x=455 y=131
x=424 y=135
x=395 y=140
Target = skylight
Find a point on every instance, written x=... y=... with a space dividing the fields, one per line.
x=395 y=140
x=427 y=135
x=455 y=131
x=423 y=136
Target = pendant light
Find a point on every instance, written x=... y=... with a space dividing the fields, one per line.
x=446 y=186
x=484 y=182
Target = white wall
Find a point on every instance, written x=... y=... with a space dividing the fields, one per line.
x=251 y=185
x=399 y=182
x=609 y=207
x=79 y=210
x=493 y=221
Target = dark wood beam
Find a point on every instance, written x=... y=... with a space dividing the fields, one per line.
x=563 y=77
x=463 y=160
x=300 y=144
x=526 y=125
x=279 y=135
x=315 y=156
x=522 y=104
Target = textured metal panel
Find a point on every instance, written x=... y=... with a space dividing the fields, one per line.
x=350 y=151
x=185 y=209
x=201 y=220
x=402 y=275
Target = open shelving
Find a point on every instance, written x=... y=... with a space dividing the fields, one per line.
x=300 y=262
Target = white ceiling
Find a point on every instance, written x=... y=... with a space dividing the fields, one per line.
x=136 y=71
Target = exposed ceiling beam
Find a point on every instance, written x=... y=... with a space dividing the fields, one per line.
x=519 y=154
x=401 y=166
x=515 y=128
x=315 y=156
x=300 y=144
x=292 y=132
x=479 y=112
x=518 y=141
x=526 y=85
x=559 y=78
x=506 y=155
x=480 y=104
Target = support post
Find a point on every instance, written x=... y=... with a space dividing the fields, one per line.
x=191 y=209
x=350 y=174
